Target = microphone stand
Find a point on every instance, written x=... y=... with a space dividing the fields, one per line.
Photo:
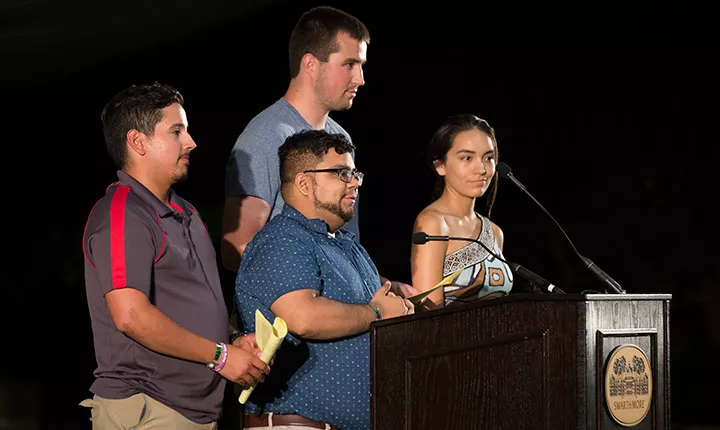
x=505 y=171
x=534 y=279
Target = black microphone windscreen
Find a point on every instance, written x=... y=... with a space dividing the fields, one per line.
x=419 y=238
x=503 y=170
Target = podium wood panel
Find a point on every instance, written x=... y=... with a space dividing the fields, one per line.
x=521 y=362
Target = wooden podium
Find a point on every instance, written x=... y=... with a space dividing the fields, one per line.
x=524 y=361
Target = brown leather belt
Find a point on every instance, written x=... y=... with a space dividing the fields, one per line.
x=251 y=420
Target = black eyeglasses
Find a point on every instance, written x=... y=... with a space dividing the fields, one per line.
x=345 y=175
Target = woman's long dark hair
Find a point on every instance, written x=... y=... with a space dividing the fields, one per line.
x=442 y=141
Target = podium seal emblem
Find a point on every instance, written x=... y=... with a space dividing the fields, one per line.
x=628 y=385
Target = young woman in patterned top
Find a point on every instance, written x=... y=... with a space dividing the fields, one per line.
x=464 y=154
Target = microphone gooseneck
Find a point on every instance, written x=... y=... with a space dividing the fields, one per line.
x=505 y=172
x=420 y=238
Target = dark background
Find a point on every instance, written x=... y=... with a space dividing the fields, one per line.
x=607 y=115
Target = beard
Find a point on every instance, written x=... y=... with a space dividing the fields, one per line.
x=337 y=209
x=334 y=208
x=181 y=175
x=179 y=178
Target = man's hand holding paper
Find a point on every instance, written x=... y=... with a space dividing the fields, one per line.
x=267 y=338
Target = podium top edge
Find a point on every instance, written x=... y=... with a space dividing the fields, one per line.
x=521 y=297
x=628 y=296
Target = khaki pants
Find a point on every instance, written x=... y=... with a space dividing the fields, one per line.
x=137 y=412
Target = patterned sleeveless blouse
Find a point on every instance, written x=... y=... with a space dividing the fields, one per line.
x=483 y=276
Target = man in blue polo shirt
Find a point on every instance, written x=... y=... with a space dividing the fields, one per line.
x=304 y=267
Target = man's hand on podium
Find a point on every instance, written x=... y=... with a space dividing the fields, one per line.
x=399 y=288
x=402 y=289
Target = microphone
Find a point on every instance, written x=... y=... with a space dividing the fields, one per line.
x=421 y=238
x=505 y=171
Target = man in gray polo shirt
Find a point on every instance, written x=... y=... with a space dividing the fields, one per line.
x=159 y=319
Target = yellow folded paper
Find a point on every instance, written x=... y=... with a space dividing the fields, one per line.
x=268 y=338
x=449 y=279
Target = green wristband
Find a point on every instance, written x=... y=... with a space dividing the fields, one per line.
x=377 y=312
x=218 y=352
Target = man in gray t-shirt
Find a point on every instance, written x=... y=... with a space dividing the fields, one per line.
x=327 y=50
x=253 y=169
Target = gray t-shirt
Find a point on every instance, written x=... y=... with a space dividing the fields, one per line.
x=254 y=166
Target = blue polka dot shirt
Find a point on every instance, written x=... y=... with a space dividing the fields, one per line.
x=326 y=381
